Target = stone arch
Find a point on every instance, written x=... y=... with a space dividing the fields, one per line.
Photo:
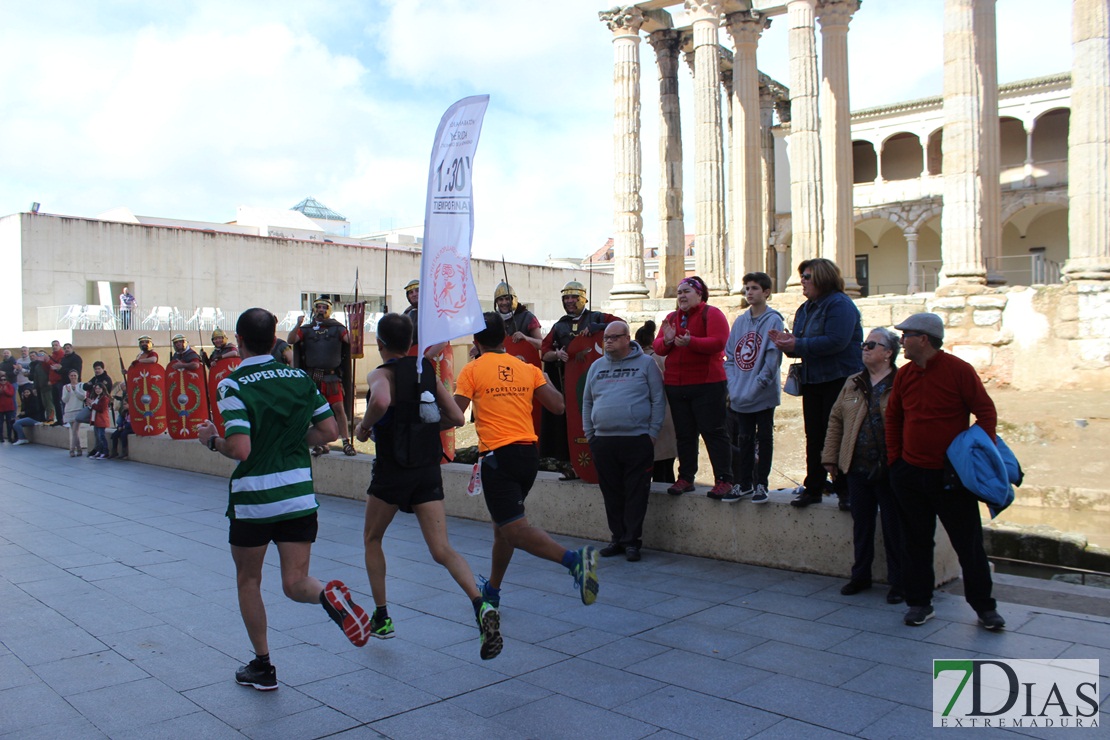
x=1050 y=135
x=1052 y=200
x=934 y=151
x=865 y=163
x=1011 y=141
x=901 y=157
x=931 y=211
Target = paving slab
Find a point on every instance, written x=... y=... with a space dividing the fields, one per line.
x=120 y=620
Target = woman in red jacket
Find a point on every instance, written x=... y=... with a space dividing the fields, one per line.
x=693 y=341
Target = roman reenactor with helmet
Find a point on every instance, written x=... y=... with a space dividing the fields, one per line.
x=578 y=320
x=184 y=357
x=221 y=349
x=521 y=325
x=412 y=293
x=323 y=349
x=147 y=355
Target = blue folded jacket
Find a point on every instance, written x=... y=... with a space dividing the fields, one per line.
x=987 y=469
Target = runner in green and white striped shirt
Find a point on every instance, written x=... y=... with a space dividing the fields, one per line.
x=272 y=415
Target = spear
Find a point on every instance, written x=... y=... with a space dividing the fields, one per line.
x=385 y=283
x=203 y=373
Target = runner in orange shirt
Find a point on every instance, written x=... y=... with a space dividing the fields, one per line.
x=501 y=388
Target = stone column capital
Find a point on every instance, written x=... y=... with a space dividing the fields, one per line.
x=623 y=21
x=836 y=13
x=746 y=26
x=665 y=40
x=704 y=10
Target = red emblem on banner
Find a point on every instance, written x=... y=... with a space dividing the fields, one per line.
x=449 y=281
x=187 y=399
x=146 y=398
x=219 y=370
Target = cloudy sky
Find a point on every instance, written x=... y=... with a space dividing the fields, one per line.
x=190 y=109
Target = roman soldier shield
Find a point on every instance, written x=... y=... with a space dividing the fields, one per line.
x=582 y=352
x=219 y=370
x=444 y=364
x=525 y=352
x=146 y=398
x=186 y=402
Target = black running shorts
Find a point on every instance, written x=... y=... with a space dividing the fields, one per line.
x=508 y=474
x=405 y=487
x=248 y=533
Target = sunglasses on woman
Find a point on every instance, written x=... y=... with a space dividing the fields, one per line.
x=871 y=345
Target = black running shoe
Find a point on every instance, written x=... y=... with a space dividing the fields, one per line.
x=262 y=676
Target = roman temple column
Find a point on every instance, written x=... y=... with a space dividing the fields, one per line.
x=836 y=140
x=805 y=140
x=672 y=234
x=746 y=235
x=628 y=239
x=1089 y=143
x=965 y=181
x=709 y=240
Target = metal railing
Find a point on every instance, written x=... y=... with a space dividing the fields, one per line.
x=163 y=318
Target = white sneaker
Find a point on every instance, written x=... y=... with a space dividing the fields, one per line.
x=65 y=426
x=760 y=496
x=19 y=442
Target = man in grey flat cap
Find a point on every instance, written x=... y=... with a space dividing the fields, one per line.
x=933 y=397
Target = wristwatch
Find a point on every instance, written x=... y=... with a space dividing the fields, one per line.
x=212 y=442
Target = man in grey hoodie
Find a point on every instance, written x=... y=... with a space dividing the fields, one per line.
x=752 y=364
x=622 y=411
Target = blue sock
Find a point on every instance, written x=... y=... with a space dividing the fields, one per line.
x=571 y=559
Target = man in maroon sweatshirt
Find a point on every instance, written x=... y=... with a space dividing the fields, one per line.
x=931 y=402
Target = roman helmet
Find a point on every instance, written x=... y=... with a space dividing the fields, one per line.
x=180 y=338
x=218 y=333
x=504 y=289
x=576 y=288
x=145 y=339
x=326 y=303
x=413 y=285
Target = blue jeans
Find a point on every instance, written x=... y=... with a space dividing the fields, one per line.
x=101 y=440
x=21 y=424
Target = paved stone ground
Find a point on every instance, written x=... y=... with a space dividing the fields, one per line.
x=118 y=618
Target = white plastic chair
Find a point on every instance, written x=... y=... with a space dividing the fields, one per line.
x=160 y=317
x=72 y=317
x=290 y=320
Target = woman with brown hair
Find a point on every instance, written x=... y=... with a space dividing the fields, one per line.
x=826 y=338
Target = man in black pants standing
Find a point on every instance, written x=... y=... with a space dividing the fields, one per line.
x=622 y=413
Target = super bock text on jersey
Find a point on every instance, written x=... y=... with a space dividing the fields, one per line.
x=274 y=404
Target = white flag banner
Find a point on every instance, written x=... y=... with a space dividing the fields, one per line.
x=449 y=306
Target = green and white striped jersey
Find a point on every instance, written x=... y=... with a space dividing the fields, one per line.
x=274 y=404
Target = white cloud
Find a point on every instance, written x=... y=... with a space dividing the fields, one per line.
x=191 y=109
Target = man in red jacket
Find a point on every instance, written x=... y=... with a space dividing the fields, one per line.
x=931 y=402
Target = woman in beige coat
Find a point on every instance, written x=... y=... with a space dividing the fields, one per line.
x=855 y=447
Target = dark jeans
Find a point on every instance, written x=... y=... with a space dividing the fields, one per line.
x=922 y=499
x=59 y=407
x=7 y=426
x=120 y=437
x=624 y=466
x=753 y=444
x=817 y=402
x=700 y=409
x=869 y=499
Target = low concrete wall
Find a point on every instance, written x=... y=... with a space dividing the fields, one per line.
x=817 y=539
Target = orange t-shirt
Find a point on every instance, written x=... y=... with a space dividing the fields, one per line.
x=501 y=387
